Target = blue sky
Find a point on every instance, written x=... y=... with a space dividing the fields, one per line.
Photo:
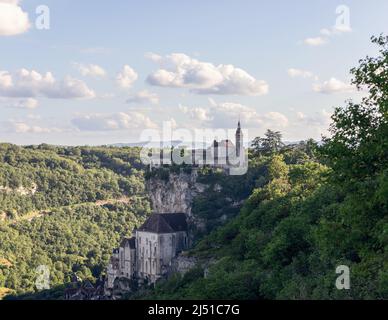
x=104 y=71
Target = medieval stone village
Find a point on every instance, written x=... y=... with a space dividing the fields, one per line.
x=156 y=248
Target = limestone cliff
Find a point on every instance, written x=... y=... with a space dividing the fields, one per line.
x=208 y=200
x=21 y=190
x=175 y=193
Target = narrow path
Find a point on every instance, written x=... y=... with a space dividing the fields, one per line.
x=40 y=213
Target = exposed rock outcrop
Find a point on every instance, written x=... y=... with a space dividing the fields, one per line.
x=175 y=194
x=23 y=191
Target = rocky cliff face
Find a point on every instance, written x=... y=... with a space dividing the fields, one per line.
x=175 y=194
x=23 y=191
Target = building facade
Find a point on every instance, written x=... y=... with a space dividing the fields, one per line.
x=147 y=255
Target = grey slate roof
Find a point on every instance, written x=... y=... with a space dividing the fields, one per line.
x=130 y=241
x=165 y=223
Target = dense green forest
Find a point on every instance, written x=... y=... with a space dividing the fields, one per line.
x=65 y=208
x=328 y=208
x=64 y=176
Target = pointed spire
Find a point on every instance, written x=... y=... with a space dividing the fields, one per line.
x=239 y=125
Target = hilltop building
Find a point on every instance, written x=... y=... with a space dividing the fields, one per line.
x=221 y=154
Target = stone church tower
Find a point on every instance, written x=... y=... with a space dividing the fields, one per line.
x=239 y=140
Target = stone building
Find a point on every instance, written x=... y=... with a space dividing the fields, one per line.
x=147 y=255
x=220 y=154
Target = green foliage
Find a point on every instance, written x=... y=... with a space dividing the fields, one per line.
x=224 y=194
x=65 y=208
x=67 y=241
x=63 y=177
x=308 y=218
x=358 y=148
x=271 y=143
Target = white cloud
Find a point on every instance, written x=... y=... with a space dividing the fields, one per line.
x=34 y=117
x=96 y=50
x=112 y=122
x=144 y=97
x=196 y=113
x=314 y=124
x=25 y=83
x=336 y=30
x=13 y=2
x=28 y=103
x=316 y=41
x=13 y=20
x=326 y=33
x=333 y=86
x=275 y=120
x=341 y=29
x=153 y=57
x=127 y=77
x=225 y=115
x=181 y=71
x=297 y=125
x=23 y=127
x=295 y=73
x=321 y=118
x=91 y=70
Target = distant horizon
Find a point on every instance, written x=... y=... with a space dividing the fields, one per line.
x=139 y=144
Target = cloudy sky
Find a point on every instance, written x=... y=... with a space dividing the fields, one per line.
x=106 y=70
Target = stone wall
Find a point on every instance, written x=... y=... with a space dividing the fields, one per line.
x=182 y=264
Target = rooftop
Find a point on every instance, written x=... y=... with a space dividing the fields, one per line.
x=165 y=223
x=128 y=241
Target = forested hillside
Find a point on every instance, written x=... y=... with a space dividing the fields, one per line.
x=309 y=216
x=65 y=208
